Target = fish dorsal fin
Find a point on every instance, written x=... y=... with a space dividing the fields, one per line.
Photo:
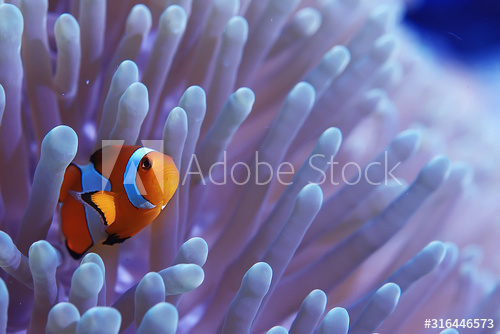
x=102 y=202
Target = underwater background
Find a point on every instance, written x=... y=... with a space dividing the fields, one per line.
x=338 y=164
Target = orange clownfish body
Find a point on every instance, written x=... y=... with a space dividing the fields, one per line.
x=121 y=190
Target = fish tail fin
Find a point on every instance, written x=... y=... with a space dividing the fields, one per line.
x=74 y=228
x=72 y=179
x=76 y=254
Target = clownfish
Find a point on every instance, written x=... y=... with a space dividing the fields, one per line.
x=119 y=192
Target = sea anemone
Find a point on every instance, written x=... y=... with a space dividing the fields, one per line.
x=310 y=137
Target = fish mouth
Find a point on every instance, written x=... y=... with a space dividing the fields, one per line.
x=163 y=206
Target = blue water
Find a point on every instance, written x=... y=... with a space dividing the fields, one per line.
x=466 y=29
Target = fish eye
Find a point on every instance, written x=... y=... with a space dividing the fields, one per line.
x=146 y=164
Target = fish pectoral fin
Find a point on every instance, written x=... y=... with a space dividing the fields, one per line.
x=102 y=202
